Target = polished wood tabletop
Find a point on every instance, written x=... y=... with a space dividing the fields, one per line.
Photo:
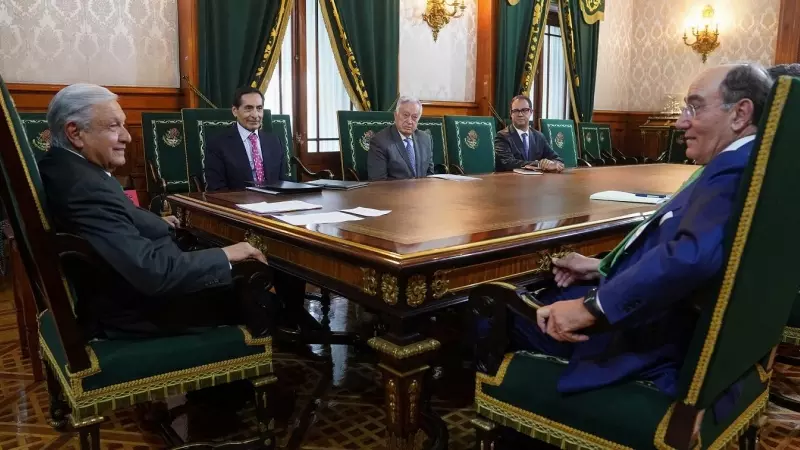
x=431 y=216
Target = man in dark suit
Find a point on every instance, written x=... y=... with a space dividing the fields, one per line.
x=156 y=288
x=244 y=153
x=644 y=287
x=519 y=146
x=400 y=151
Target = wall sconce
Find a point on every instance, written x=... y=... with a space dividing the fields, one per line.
x=438 y=14
x=705 y=41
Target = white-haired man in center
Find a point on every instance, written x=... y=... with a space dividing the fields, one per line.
x=400 y=151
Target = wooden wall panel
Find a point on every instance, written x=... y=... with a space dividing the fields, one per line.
x=134 y=101
x=787 y=47
x=432 y=108
x=625 y=133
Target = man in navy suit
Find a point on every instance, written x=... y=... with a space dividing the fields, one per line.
x=520 y=146
x=643 y=288
x=244 y=153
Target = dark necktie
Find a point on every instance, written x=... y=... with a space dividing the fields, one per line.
x=526 y=146
x=412 y=158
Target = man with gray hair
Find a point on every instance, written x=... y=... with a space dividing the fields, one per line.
x=400 y=151
x=159 y=289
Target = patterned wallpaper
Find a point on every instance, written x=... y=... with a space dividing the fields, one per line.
x=614 y=57
x=108 y=42
x=443 y=70
x=661 y=63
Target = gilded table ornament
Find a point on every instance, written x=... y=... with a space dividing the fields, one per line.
x=389 y=289
x=256 y=241
x=440 y=284
x=416 y=290
x=370 y=281
x=391 y=394
x=397 y=352
x=413 y=398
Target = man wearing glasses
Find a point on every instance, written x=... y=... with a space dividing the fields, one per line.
x=520 y=146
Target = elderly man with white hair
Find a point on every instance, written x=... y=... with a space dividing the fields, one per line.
x=400 y=151
x=158 y=288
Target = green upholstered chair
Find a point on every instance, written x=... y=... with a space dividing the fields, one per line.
x=356 y=129
x=200 y=125
x=590 y=143
x=561 y=136
x=282 y=126
x=87 y=379
x=740 y=322
x=607 y=146
x=470 y=144
x=37 y=131
x=165 y=155
x=434 y=126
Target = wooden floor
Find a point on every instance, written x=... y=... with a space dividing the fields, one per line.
x=329 y=400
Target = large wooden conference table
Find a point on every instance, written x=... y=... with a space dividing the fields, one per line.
x=441 y=238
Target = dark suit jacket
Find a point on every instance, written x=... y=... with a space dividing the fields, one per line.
x=228 y=167
x=148 y=266
x=509 y=153
x=648 y=293
x=388 y=160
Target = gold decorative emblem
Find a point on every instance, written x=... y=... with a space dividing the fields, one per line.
x=588 y=137
x=416 y=290
x=472 y=139
x=172 y=137
x=389 y=289
x=559 y=140
x=391 y=394
x=42 y=141
x=370 y=281
x=413 y=399
x=440 y=283
x=601 y=137
x=591 y=5
x=364 y=141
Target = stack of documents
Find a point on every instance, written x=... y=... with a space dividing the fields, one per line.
x=445 y=176
x=269 y=208
x=327 y=217
x=632 y=197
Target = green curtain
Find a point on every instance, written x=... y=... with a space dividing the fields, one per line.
x=365 y=36
x=580 y=25
x=519 y=34
x=239 y=42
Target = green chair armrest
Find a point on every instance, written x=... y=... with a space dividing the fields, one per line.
x=440 y=169
x=456 y=169
x=324 y=173
x=583 y=163
x=353 y=175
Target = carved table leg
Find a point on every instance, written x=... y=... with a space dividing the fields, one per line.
x=404 y=369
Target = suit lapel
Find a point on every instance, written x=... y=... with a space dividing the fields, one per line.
x=239 y=156
x=398 y=143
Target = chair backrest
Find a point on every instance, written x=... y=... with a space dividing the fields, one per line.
x=37 y=131
x=677 y=146
x=604 y=138
x=356 y=129
x=470 y=142
x=590 y=140
x=561 y=136
x=200 y=125
x=165 y=151
x=24 y=199
x=744 y=314
x=434 y=126
x=282 y=126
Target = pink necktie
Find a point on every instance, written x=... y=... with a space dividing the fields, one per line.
x=257 y=163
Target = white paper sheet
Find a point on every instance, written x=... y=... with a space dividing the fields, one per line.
x=367 y=212
x=308 y=219
x=276 y=207
x=527 y=172
x=620 y=196
x=446 y=176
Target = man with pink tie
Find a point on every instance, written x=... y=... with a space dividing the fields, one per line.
x=244 y=153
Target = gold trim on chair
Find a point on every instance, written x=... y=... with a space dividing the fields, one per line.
x=742 y=230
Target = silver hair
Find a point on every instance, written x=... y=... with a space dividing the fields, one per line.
x=74 y=104
x=405 y=99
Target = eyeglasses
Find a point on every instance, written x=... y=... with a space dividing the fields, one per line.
x=690 y=111
x=521 y=111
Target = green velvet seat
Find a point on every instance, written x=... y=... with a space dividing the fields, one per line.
x=165 y=155
x=470 y=144
x=356 y=129
x=434 y=126
x=87 y=379
x=590 y=143
x=740 y=321
x=201 y=125
x=37 y=131
x=561 y=136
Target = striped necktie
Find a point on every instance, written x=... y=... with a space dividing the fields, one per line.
x=608 y=262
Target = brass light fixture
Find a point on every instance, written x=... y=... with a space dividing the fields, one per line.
x=705 y=41
x=439 y=12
